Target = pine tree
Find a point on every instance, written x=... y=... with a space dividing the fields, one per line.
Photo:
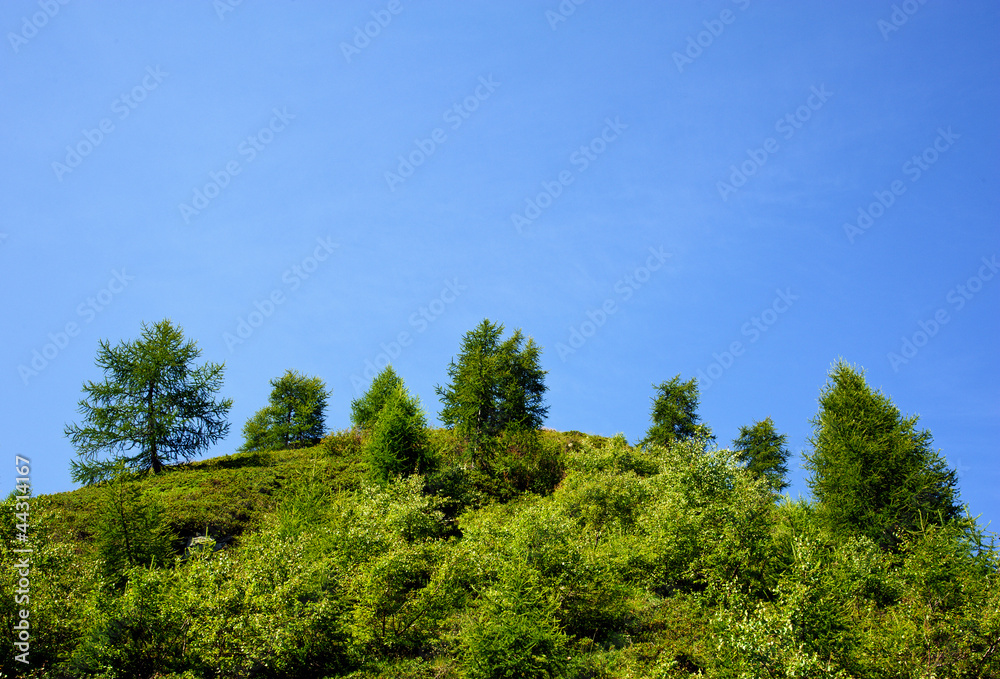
x=675 y=413
x=872 y=472
x=764 y=452
x=365 y=410
x=294 y=416
x=495 y=385
x=152 y=399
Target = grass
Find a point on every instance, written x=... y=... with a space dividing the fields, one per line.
x=226 y=496
x=222 y=496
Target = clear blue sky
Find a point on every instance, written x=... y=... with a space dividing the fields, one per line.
x=808 y=180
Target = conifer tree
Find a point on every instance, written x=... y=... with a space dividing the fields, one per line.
x=365 y=410
x=152 y=399
x=294 y=416
x=872 y=471
x=675 y=413
x=131 y=529
x=398 y=443
x=496 y=384
x=764 y=452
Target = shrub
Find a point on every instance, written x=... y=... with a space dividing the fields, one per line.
x=604 y=501
x=132 y=635
x=346 y=443
x=524 y=462
x=131 y=528
x=514 y=631
x=614 y=455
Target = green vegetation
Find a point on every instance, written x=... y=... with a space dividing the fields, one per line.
x=398 y=551
x=294 y=416
x=152 y=399
x=365 y=410
x=764 y=452
x=675 y=413
x=495 y=385
x=873 y=472
x=397 y=444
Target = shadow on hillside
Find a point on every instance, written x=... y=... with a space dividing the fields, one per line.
x=236 y=461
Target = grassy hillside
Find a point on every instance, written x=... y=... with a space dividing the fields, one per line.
x=567 y=556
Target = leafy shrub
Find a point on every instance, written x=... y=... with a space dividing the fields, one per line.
x=592 y=600
x=346 y=443
x=521 y=461
x=274 y=607
x=614 y=455
x=457 y=486
x=604 y=501
x=131 y=528
x=514 y=631
x=396 y=607
x=134 y=635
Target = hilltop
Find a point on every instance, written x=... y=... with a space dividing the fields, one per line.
x=565 y=555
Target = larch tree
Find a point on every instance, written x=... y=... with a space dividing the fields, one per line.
x=675 y=413
x=155 y=406
x=496 y=384
x=872 y=471
x=764 y=452
x=295 y=415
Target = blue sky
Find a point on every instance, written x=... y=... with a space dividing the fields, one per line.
x=741 y=191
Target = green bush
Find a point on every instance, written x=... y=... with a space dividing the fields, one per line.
x=346 y=443
x=604 y=501
x=398 y=603
x=513 y=630
x=522 y=461
x=614 y=455
x=273 y=607
x=132 y=635
x=131 y=528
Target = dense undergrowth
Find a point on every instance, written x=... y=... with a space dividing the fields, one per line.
x=568 y=555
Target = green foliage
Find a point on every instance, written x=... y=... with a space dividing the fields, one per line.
x=365 y=410
x=134 y=635
x=131 y=528
x=495 y=385
x=764 y=452
x=153 y=399
x=293 y=418
x=258 y=432
x=519 y=461
x=549 y=554
x=58 y=581
x=949 y=606
x=614 y=455
x=514 y=631
x=346 y=443
x=398 y=443
x=872 y=472
x=675 y=413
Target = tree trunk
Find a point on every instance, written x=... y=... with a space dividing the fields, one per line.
x=151 y=427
